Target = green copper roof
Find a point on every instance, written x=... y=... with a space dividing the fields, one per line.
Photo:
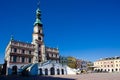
x=38 y=21
x=38 y=17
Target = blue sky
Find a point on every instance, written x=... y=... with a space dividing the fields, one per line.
x=85 y=29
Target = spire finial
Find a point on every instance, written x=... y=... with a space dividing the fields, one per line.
x=38 y=4
x=12 y=38
x=38 y=15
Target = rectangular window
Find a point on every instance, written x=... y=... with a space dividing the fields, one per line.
x=52 y=55
x=56 y=55
x=11 y=49
x=111 y=65
x=15 y=50
x=39 y=31
x=23 y=59
x=29 y=60
x=29 y=52
x=39 y=53
x=14 y=58
x=10 y=58
x=23 y=51
x=117 y=65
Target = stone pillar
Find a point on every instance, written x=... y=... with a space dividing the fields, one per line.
x=48 y=71
x=55 y=70
x=20 y=59
x=11 y=58
x=43 y=71
x=60 y=71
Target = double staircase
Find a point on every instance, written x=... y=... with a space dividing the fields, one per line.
x=30 y=69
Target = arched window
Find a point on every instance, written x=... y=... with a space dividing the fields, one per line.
x=112 y=70
x=58 y=72
x=14 y=69
x=39 y=31
x=52 y=71
x=105 y=70
x=39 y=38
x=46 y=71
x=40 y=71
x=62 y=70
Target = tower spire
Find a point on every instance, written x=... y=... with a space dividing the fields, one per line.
x=38 y=15
x=38 y=4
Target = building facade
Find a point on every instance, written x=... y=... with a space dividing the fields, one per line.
x=63 y=60
x=111 y=64
x=82 y=65
x=34 y=58
x=78 y=63
x=19 y=53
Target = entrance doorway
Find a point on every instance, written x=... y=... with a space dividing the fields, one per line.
x=58 y=72
x=46 y=71
x=52 y=71
x=40 y=71
x=14 y=70
x=62 y=71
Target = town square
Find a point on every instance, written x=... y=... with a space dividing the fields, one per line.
x=60 y=40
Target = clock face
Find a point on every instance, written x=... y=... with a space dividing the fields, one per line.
x=39 y=38
x=37 y=29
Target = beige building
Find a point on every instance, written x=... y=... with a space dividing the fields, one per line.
x=107 y=65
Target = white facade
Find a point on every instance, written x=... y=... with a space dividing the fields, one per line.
x=49 y=68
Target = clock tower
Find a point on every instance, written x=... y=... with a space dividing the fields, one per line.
x=38 y=39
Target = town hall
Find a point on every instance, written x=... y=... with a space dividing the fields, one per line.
x=34 y=58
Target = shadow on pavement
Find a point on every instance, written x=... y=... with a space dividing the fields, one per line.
x=15 y=77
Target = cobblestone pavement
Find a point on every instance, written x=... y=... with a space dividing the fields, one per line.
x=89 y=76
x=93 y=76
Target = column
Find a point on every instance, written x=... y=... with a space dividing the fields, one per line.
x=55 y=70
x=48 y=71
x=20 y=59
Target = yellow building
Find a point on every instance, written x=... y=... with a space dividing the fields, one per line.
x=107 y=65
